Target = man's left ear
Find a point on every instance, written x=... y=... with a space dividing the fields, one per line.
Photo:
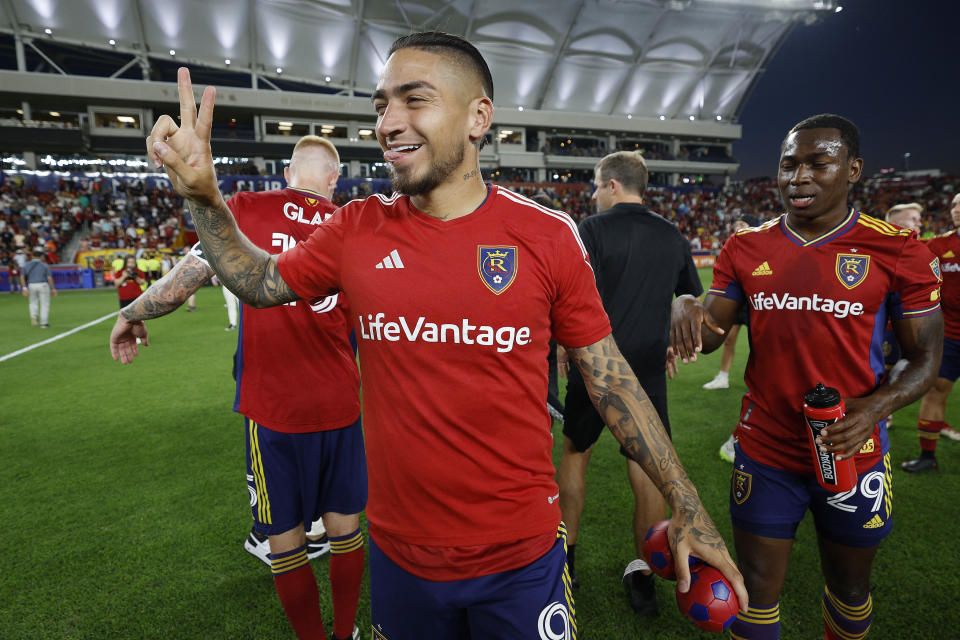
x=481 y=118
x=856 y=170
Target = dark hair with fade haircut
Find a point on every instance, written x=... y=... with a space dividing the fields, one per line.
x=849 y=134
x=626 y=167
x=438 y=41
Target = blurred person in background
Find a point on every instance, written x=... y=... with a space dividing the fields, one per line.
x=129 y=281
x=36 y=279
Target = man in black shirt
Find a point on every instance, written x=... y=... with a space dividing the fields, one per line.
x=640 y=261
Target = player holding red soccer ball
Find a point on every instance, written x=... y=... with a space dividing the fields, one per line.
x=710 y=603
x=656 y=551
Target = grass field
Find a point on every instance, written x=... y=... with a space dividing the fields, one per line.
x=124 y=505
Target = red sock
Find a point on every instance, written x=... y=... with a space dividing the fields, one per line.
x=929 y=431
x=346 y=575
x=297 y=588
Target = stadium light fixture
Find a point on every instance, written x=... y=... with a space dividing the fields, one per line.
x=365 y=132
x=719 y=117
x=692 y=118
x=520 y=108
x=629 y=116
x=327 y=78
x=173 y=52
x=226 y=61
x=112 y=42
x=55 y=114
x=279 y=69
x=48 y=31
x=838 y=9
x=663 y=117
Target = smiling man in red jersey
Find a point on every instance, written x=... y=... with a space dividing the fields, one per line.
x=455 y=288
x=931 y=424
x=820 y=282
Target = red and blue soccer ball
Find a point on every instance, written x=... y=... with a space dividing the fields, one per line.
x=710 y=603
x=656 y=551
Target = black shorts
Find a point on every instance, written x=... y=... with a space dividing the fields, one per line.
x=583 y=425
x=124 y=303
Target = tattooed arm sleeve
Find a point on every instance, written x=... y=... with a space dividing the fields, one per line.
x=248 y=271
x=633 y=420
x=169 y=292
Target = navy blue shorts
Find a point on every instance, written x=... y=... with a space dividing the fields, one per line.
x=531 y=602
x=294 y=478
x=950 y=366
x=771 y=503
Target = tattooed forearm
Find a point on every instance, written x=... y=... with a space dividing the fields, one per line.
x=171 y=291
x=250 y=272
x=633 y=420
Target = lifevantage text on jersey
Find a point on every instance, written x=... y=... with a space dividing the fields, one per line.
x=374 y=327
x=763 y=301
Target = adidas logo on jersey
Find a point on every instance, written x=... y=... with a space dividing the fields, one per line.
x=392 y=261
x=763 y=270
x=874 y=523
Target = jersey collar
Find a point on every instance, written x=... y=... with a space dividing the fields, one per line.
x=823 y=239
x=309 y=193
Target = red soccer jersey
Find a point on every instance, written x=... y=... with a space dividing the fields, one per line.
x=453 y=322
x=947 y=248
x=818 y=309
x=295 y=367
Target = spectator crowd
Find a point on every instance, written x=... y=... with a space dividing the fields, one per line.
x=126 y=214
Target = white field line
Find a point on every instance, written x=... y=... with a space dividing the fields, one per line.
x=14 y=354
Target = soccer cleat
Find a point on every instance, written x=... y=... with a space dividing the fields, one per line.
x=727 y=451
x=641 y=590
x=720 y=381
x=231 y=327
x=44 y=326
x=318 y=547
x=34 y=322
x=258 y=546
x=951 y=433
x=919 y=464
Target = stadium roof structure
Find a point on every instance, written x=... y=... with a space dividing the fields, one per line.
x=681 y=59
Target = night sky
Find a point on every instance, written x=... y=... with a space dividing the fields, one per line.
x=892 y=67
